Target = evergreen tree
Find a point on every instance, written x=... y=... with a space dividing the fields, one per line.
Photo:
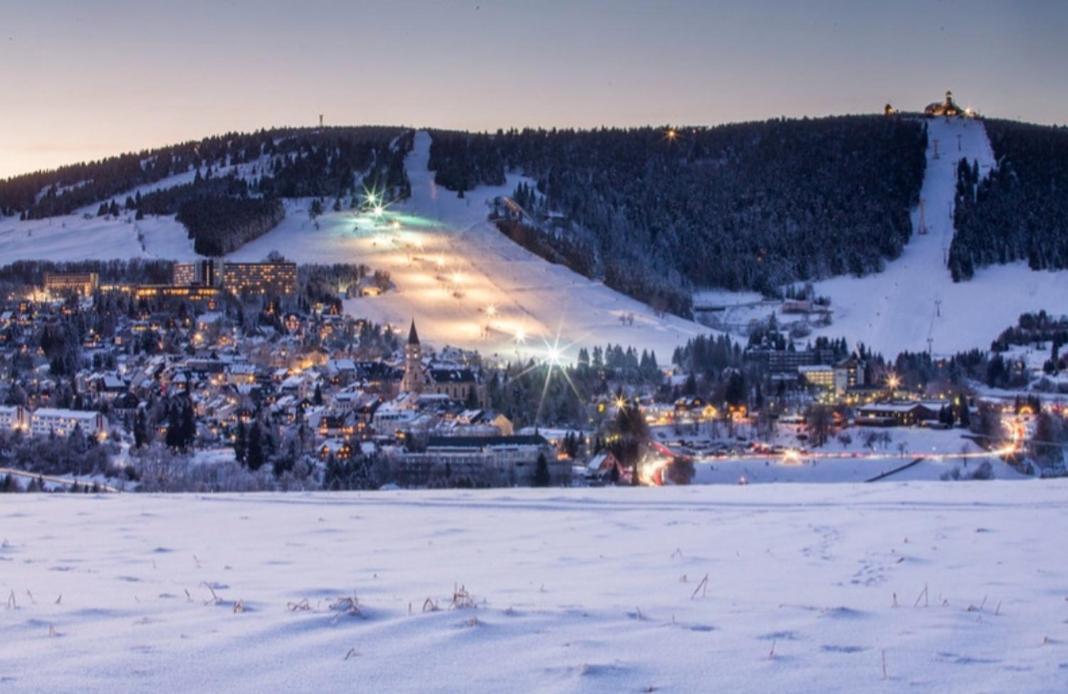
x=255 y=455
x=541 y=472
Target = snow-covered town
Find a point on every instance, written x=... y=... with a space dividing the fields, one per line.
x=533 y=347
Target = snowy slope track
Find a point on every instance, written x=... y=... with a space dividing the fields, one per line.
x=914 y=305
x=464 y=282
x=928 y=587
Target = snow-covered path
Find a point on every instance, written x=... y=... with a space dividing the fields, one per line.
x=914 y=304
x=956 y=587
x=464 y=282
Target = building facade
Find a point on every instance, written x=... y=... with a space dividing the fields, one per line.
x=277 y=278
x=47 y=421
x=83 y=283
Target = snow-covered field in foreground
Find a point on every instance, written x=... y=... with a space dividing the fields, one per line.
x=575 y=590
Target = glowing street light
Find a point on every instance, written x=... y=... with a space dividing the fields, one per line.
x=892 y=381
x=520 y=336
x=552 y=355
x=491 y=310
x=378 y=210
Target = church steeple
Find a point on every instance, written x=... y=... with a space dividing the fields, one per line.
x=413 y=380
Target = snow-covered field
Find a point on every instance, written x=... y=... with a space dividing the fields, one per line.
x=941 y=452
x=84 y=236
x=77 y=237
x=464 y=282
x=923 y=586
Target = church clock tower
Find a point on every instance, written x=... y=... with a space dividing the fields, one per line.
x=413 y=363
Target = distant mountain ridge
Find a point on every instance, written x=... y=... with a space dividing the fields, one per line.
x=654 y=212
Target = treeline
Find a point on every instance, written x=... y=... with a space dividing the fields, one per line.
x=283 y=162
x=134 y=270
x=219 y=225
x=238 y=182
x=751 y=205
x=1020 y=211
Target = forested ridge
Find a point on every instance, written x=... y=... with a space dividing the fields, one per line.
x=1020 y=211
x=742 y=206
x=223 y=210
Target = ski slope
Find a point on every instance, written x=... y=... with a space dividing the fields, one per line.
x=926 y=587
x=466 y=284
x=914 y=305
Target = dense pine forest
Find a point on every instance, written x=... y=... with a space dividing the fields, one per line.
x=223 y=211
x=1020 y=212
x=744 y=206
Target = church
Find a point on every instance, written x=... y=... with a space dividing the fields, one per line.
x=457 y=383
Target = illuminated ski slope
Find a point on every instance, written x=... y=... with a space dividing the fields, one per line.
x=464 y=282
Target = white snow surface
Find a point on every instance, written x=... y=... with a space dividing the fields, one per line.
x=895 y=311
x=955 y=587
x=530 y=297
x=77 y=237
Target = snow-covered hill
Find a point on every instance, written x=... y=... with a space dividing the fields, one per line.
x=464 y=282
x=928 y=587
x=914 y=304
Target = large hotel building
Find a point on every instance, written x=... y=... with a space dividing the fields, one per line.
x=276 y=278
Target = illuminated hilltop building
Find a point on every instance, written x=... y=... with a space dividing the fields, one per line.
x=944 y=108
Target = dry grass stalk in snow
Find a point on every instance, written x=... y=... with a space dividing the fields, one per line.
x=921 y=596
x=345 y=606
x=461 y=599
x=239 y=607
x=430 y=606
x=702 y=587
x=302 y=606
x=11 y=604
x=215 y=599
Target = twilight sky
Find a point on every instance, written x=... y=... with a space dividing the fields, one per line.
x=83 y=80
